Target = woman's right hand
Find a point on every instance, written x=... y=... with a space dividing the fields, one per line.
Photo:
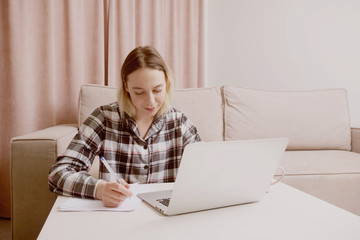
x=112 y=193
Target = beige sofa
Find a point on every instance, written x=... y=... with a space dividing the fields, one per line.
x=322 y=157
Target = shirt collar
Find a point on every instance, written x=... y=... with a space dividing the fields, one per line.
x=155 y=127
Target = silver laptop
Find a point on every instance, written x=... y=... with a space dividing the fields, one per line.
x=220 y=174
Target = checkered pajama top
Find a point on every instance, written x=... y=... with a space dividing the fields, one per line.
x=154 y=159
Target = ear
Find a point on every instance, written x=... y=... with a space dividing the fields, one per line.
x=125 y=86
x=166 y=84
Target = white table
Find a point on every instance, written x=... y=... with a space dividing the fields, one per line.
x=284 y=213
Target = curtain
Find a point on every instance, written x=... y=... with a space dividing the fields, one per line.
x=49 y=48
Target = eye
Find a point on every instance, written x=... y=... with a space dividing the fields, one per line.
x=138 y=93
x=157 y=90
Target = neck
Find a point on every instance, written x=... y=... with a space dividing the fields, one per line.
x=143 y=126
x=143 y=120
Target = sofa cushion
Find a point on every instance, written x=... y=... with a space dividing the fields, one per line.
x=330 y=175
x=93 y=96
x=355 y=140
x=341 y=190
x=203 y=106
x=320 y=162
x=310 y=119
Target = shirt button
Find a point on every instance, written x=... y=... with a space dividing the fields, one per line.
x=146 y=166
x=146 y=146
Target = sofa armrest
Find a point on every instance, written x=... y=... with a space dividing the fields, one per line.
x=355 y=140
x=32 y=155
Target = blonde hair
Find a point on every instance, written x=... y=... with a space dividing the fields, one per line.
x=143 y=57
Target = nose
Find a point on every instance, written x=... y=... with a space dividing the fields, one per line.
x=150 y=100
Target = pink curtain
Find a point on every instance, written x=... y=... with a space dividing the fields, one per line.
x=175 y=28
x=49 y=48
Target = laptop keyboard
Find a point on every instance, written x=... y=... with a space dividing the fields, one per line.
x=164 y=201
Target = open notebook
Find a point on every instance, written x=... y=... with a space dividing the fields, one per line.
x=87 y=205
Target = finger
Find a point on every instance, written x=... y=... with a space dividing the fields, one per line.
x=113 y=189
x=117 y=199
x=111 y=205
x=114 y=201
x=123 y=182
x=116 y=196
x=122 y=189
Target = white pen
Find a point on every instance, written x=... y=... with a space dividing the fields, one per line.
x=112 y=173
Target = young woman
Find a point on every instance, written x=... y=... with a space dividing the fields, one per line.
x=141 y=136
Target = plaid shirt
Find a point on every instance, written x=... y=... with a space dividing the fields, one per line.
x=154 y=159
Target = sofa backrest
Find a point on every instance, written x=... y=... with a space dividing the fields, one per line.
x=93 y=96
x=203 y=106
x=310 y=119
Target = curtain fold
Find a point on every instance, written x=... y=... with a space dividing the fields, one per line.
x=50 y=48
x=175 y=28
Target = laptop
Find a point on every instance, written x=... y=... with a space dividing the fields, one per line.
x=220 y=174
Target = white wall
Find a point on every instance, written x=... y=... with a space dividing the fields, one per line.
x=286 y=45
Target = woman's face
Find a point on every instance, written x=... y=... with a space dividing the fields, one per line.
x=147 y=90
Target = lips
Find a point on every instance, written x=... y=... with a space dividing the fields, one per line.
x=150 y=109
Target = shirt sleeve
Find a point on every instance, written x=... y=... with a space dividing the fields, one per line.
x=189 y=131
x=69 y=175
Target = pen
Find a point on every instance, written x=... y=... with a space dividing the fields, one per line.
x=112 y=173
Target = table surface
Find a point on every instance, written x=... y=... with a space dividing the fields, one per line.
x=284 y=213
